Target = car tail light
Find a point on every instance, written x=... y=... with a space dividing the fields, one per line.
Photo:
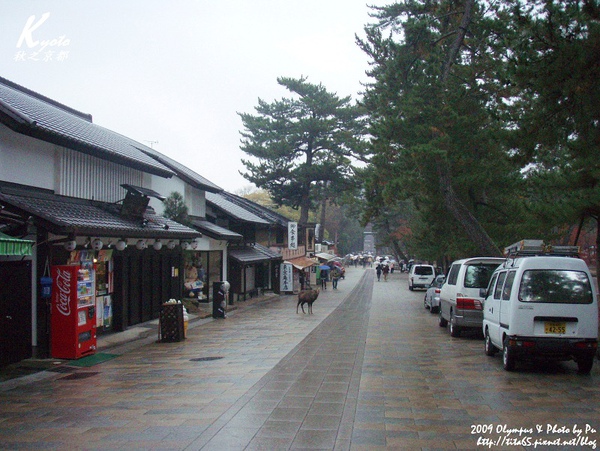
x=586 y=345
x=469 y=304
x=438 y=291
x=521 y=343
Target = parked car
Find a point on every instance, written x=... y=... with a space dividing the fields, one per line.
x=542 y=307
x=420 y=276
x=461 y=304
x=432 y=295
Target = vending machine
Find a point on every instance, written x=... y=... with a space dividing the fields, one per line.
x=73 y=312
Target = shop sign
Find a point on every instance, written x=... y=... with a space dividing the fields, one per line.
x=292 y=235
x=287 y=277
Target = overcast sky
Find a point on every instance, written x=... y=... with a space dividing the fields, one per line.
x=174 y=74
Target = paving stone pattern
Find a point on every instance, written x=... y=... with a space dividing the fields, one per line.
x=370 y=369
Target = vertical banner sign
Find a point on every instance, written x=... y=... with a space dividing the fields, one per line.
x=287 y=277
x=292 y=235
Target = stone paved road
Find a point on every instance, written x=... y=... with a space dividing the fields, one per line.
x=369 y=370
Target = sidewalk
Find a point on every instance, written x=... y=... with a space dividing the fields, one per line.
x=203 y=392
x=144 y=333
x=29 y=370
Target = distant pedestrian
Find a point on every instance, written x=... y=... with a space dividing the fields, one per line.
x=324 y=278
x=378 y=270
x=386 y=270
x=335 y=277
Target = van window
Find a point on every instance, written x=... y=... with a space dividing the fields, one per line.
x=498 y=290
x=490 y=287
x=479 y=275
x=508 y=285
x=453 y=275
x=423 y=270
x=555 y=286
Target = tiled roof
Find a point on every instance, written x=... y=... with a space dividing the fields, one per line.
x=32 y=114
x=222 y=202
x=67 y=215
x=266 y=214
x=215 y=231
x=183 y=172
x=253 y=254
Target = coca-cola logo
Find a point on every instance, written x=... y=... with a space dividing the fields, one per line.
x=63 y=292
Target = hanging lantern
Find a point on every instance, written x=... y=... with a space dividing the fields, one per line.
x=141 y=244
x=121 y=245
x=185 y=245
x=157 y=245
x=71 y=245
x=97 y=244
x=171 y=244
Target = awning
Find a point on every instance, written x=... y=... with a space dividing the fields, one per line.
x=256 y=253
x=325 y=256
x=301 y=262
x=14 y=246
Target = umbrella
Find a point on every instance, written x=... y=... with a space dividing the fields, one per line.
x=324 y=267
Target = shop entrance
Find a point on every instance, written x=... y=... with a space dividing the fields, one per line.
x=15 y=312
x=143 y=282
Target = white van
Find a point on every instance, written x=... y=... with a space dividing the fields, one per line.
x=541 y=303
x=420 y=276
x=460 y=303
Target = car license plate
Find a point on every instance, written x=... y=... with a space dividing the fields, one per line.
x=555 y=328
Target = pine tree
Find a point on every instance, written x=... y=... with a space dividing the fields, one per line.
x=303 y=147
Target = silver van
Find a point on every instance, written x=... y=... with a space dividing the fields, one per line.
x=461 y=305
x=541 y=303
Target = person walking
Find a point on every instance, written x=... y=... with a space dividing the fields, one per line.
x=324 y=277
x=386 y=270
x=378 y=271
x=335 y=277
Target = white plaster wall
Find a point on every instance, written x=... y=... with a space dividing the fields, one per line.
x=193 y=197
x=195 y=201
x=164 y=187
x=26 y=160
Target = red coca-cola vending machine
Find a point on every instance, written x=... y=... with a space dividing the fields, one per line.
x=73 y=313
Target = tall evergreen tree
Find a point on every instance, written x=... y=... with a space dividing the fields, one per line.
x=554 y=68
x=433 y=120
x=304 y=145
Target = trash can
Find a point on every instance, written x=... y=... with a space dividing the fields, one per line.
x=220 y=290
x=171 y=323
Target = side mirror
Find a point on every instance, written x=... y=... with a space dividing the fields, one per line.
x=483 y=293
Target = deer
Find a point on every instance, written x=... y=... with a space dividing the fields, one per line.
x=307 y=297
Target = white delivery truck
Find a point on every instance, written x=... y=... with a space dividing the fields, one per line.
x=541 y=303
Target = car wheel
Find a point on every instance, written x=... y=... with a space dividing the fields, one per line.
x=454 y=329
x=508 y=358
x=490 y=349
x=441 y=320
x=584 y=364
x=434 y=309
x=425 y=303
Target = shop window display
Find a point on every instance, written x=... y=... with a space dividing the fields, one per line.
x=201 y=270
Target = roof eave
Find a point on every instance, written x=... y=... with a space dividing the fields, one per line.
x=26 y=126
